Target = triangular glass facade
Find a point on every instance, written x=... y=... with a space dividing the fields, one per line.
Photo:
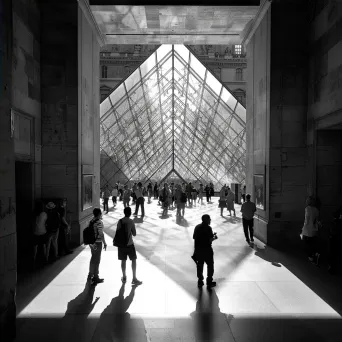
x=172 y=118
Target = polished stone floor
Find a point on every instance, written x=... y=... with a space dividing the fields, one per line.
x=262 y=294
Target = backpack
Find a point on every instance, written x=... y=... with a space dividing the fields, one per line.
x=53 y=221
x=89 y=237
x=121 y=239
x=183 y=197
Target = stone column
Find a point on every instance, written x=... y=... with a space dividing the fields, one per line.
x=277 y=119
x=70 y=45
x=8 y=252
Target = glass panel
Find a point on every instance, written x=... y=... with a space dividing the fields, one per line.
x=137 y=130
x=197 y=66
x=148 y=65
x=213 y=83
x=163 y=51
x=183 y=51
x=228 y=98
x=241 y=112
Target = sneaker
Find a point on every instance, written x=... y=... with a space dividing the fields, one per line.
x=123 y=279
x=136 y=282
x=212 y=284
x=97 y=280
x=200 y=283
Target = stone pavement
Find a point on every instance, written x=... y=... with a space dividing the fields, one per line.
x=262 y=294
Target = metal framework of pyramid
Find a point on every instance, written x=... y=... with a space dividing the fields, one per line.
x=172 y=118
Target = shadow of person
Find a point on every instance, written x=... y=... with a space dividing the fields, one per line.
x=210 y=324
x=74 y=325
x=181 y=221
x=116 y=324
x=268 y=255
x=138 y=219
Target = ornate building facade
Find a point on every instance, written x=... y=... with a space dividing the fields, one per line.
x=227 y=62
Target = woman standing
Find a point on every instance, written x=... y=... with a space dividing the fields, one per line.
x=200 y=193
x=230 y=202
x=165 y=198
x=223 y=199
x=310 y=230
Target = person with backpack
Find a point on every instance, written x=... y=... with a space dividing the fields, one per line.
x=53 y=222
x=124 y=241
x=94 y=237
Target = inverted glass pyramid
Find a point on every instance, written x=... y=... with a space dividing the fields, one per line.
x=172 y=118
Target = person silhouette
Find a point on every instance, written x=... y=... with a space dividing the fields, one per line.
x=115 y=322
x=210 y=323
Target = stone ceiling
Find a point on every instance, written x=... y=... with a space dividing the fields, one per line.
x=123 y=24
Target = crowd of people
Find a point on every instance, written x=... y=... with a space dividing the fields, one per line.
x=169 y=196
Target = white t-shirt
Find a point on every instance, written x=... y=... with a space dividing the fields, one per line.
x=40 y=228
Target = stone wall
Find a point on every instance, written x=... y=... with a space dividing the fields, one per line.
x=276 y=119
x=26 y=79
x=88 y=115
x=257 y=117
x=8 y=251
x=325 y=106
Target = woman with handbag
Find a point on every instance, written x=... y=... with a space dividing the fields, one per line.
x=310 y=231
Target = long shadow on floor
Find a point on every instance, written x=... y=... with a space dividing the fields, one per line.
x=29 y=285
x=116 y=324
x=326 y=286
x=210 y=323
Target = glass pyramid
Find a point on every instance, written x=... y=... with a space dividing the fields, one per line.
x=172 y=119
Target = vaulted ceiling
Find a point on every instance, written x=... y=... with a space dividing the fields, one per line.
x=172 y=116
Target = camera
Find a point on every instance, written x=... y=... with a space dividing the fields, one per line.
x=215 y=236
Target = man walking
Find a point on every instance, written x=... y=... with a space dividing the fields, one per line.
x=128 y=225
x=204 y=236
x=248 y=209
x=140 y=200
x=96 y=248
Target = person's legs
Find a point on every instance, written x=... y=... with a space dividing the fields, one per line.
x=245 y=229
x=48 y=246
x=123 y=268
x=221 y=211
x=251 y=229
x=200 y=264
x=137 y=205
x=210 y=267
x=142 y=206
x=134 y=268
x=97 y=259
x=55 y=243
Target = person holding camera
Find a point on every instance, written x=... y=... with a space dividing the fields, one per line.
x=204 y=236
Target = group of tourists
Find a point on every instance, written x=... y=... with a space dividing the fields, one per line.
x=51 y=231
x=169 y=196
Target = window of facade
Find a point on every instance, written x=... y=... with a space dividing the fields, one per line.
x=104 y=70
x=238 y=74
x=238 y=49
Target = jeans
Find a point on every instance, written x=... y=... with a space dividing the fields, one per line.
x=248 y=226
x=205 y=256
x=63 y=240
x=95 y=259
x=52 y=238
x=140 y=201
x=105 y=204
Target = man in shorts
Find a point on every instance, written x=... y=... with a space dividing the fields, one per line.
x=129 y=251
